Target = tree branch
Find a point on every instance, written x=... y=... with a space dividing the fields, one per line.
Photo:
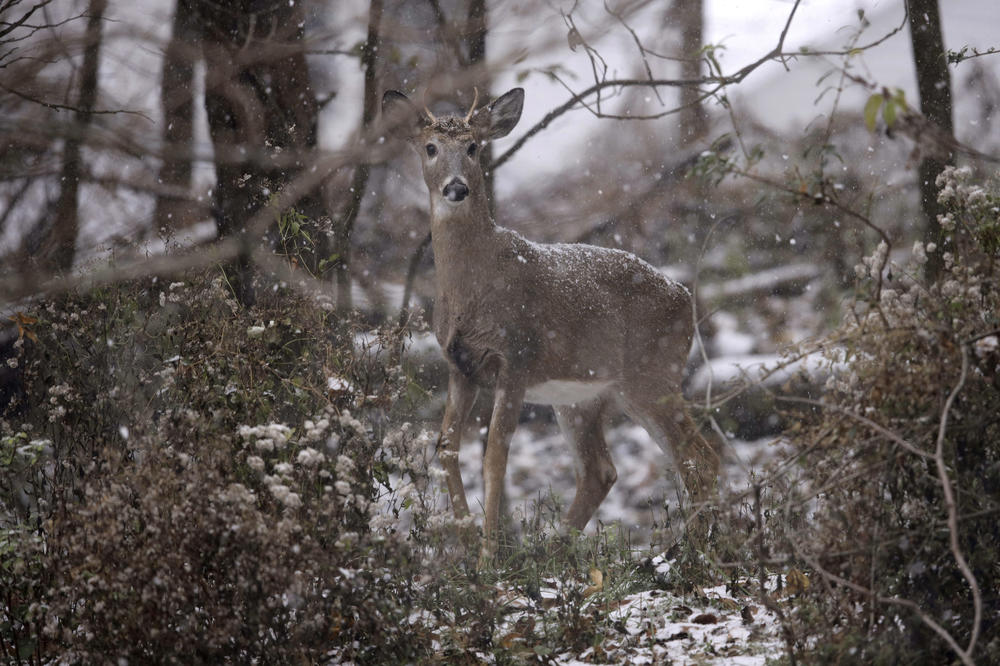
x=949 y=501
x=718 y=81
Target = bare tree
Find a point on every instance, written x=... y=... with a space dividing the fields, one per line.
x=934 y=86
x=57 y=244
x=177 y=102
x=260 y=101
x=689 y=16
x=345 y=225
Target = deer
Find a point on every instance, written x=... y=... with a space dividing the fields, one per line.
x=585 y=329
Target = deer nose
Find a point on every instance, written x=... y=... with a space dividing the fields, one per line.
x=455 y=190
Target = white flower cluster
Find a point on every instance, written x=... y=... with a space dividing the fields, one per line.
x=237 y=493
x=920 y=251
x=956 y=187
x=282 y=459
x=952 y=182
x=271 y=437
x=984 y=347
x=345 y=468
x=408 y=454
x=959 y=192
x=407 y=451
x=316 y=430
x=348 y=422
x=59 y=395
x=284 y=494
x=873 y=265
x=310 y=457
x=913 y=306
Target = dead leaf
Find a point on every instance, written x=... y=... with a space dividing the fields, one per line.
x=597 y=580
x=574 y=38
x=705 y=618
x=747 y=614
x=729 y=604
x=23 y=321
x=796 y=582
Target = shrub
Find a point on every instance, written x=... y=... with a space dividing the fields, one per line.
x=900 y=469
x=188 y=481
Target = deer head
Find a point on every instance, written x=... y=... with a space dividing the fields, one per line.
x=449 y=147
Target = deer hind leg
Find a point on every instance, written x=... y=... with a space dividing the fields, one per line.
x=583 y=426
x=666 y=418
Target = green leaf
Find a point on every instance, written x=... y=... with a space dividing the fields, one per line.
x=889 y=113
x=899 y=97
x=872 y=106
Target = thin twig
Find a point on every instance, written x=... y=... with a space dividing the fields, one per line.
x=411 y=276
x=765 y=598
x=896 y=601
x=952 y=508
x=885 y=432
x=719 y=81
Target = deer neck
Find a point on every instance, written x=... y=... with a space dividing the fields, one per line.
x=465 y=241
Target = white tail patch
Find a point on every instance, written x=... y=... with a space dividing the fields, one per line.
x=565 y=391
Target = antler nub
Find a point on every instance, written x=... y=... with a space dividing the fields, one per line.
x=427 y=110
x=472 y=109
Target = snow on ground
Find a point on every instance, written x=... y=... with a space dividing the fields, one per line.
x=653 y=626
x=540 y=469
x=720 y=632
x=769 y=370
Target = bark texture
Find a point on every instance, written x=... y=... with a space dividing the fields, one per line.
x=934 y=86
x=57 y=248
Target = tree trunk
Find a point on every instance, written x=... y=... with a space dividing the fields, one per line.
x=345 y=226
x=58 y=250
x=934 y=86
x=693 y=119
x=475 y=43
x=176 y=100
x=259 y=100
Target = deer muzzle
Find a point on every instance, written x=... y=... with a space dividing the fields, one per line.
x=456 y=190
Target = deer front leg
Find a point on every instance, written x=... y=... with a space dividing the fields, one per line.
x=461 y=396
x=506 y=410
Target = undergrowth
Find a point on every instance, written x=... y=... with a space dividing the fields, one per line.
x=893 y=503
x=189 y=481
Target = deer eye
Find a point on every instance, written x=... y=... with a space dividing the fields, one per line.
x=472 y=150
x=431 y=150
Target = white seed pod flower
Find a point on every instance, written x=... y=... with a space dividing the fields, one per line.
x=310 y=457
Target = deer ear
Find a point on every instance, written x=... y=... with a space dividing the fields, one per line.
x=499 y=118
x=400 y=117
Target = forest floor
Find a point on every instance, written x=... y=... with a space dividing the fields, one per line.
x=715 y=625
x=645 y=611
